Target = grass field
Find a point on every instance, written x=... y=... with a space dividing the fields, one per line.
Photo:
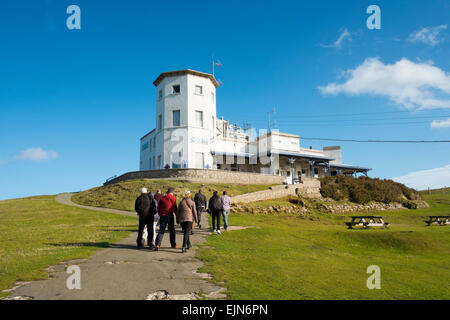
x=316 y=257
x=286 y=256
x=38 y=232
x=123 y=194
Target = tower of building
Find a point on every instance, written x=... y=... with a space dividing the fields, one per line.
x=185 y=122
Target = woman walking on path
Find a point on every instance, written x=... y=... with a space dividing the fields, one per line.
x=215 y=208
x=186 y=216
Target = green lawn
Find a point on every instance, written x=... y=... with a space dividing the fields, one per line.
x=122 y=195
x=317 y=257
x=38 y=232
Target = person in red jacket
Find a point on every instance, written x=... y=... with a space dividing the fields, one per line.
x=167 y=207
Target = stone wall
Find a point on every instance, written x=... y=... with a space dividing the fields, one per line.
x=310 y=188
x=330 y=206
x=201 y=175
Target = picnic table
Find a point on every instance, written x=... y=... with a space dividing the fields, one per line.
x=367 y=221
x=440 y=220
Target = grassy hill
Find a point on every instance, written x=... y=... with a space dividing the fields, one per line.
x=122 y=195
x=37 y=232
x=363 y=190
x=314 y=256
x=285 y=256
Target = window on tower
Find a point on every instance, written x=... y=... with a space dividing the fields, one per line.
x=199 y=119
x=176 y=89
x=160 y=94
x=176 y=118
x=199 y=90
x=160 y=122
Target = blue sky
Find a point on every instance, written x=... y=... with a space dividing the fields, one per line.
x=81 y=99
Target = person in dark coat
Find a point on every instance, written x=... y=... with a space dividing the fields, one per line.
x=200 y=205
x=215 y=207
x=145 y=206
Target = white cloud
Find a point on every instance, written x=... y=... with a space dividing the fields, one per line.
x=428 y=35
x=405 y=83
x=437 y=124
x=421 y=180
x=344 y=36
x=36 y=154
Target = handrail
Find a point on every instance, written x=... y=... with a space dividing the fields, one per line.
x=111 y=178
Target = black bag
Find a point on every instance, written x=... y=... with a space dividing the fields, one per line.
x=215 y=203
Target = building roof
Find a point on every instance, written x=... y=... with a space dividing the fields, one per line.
x=277 y=134
x=350 y=167
x=237 y=154
x=303 y=155
x=184 y=72
x=148 y=134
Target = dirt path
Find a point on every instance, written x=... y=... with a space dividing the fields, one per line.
x=124 y=272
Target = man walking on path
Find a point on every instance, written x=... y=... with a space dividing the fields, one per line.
x=145 y=207
x=215 y=207
x=186 y=216
x=200 y=204
x=226 y=201
x=167 y=207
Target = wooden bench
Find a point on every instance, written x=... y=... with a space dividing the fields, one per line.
x=367 y=221
x=440 y=220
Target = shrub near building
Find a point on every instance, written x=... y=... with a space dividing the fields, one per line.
x=363 y=190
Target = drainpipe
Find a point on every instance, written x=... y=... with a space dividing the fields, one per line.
x=291 y=161
x=311 y=167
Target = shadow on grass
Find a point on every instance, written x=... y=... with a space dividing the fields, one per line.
x=129 y=229
x=80 y=244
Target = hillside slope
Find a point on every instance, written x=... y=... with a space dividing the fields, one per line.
x=123 y=194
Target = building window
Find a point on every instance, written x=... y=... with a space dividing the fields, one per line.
x=199 y=119
x=176 y=118
x=159 y=162
x=176 y=89
x=150 y=144
x=144 y=146
x=199 y=90
x=160 y=122
x=154 y=163
x=154 y=145
x=212 y=96
x=160 y=94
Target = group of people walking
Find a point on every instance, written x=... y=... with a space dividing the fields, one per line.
x=163 y=209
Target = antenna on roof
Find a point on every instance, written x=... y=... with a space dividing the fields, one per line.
x=215 y=63
x=268 y=116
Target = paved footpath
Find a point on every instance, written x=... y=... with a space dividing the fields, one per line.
x=124 y=272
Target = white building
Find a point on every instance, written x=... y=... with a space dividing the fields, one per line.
x=189 y=135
